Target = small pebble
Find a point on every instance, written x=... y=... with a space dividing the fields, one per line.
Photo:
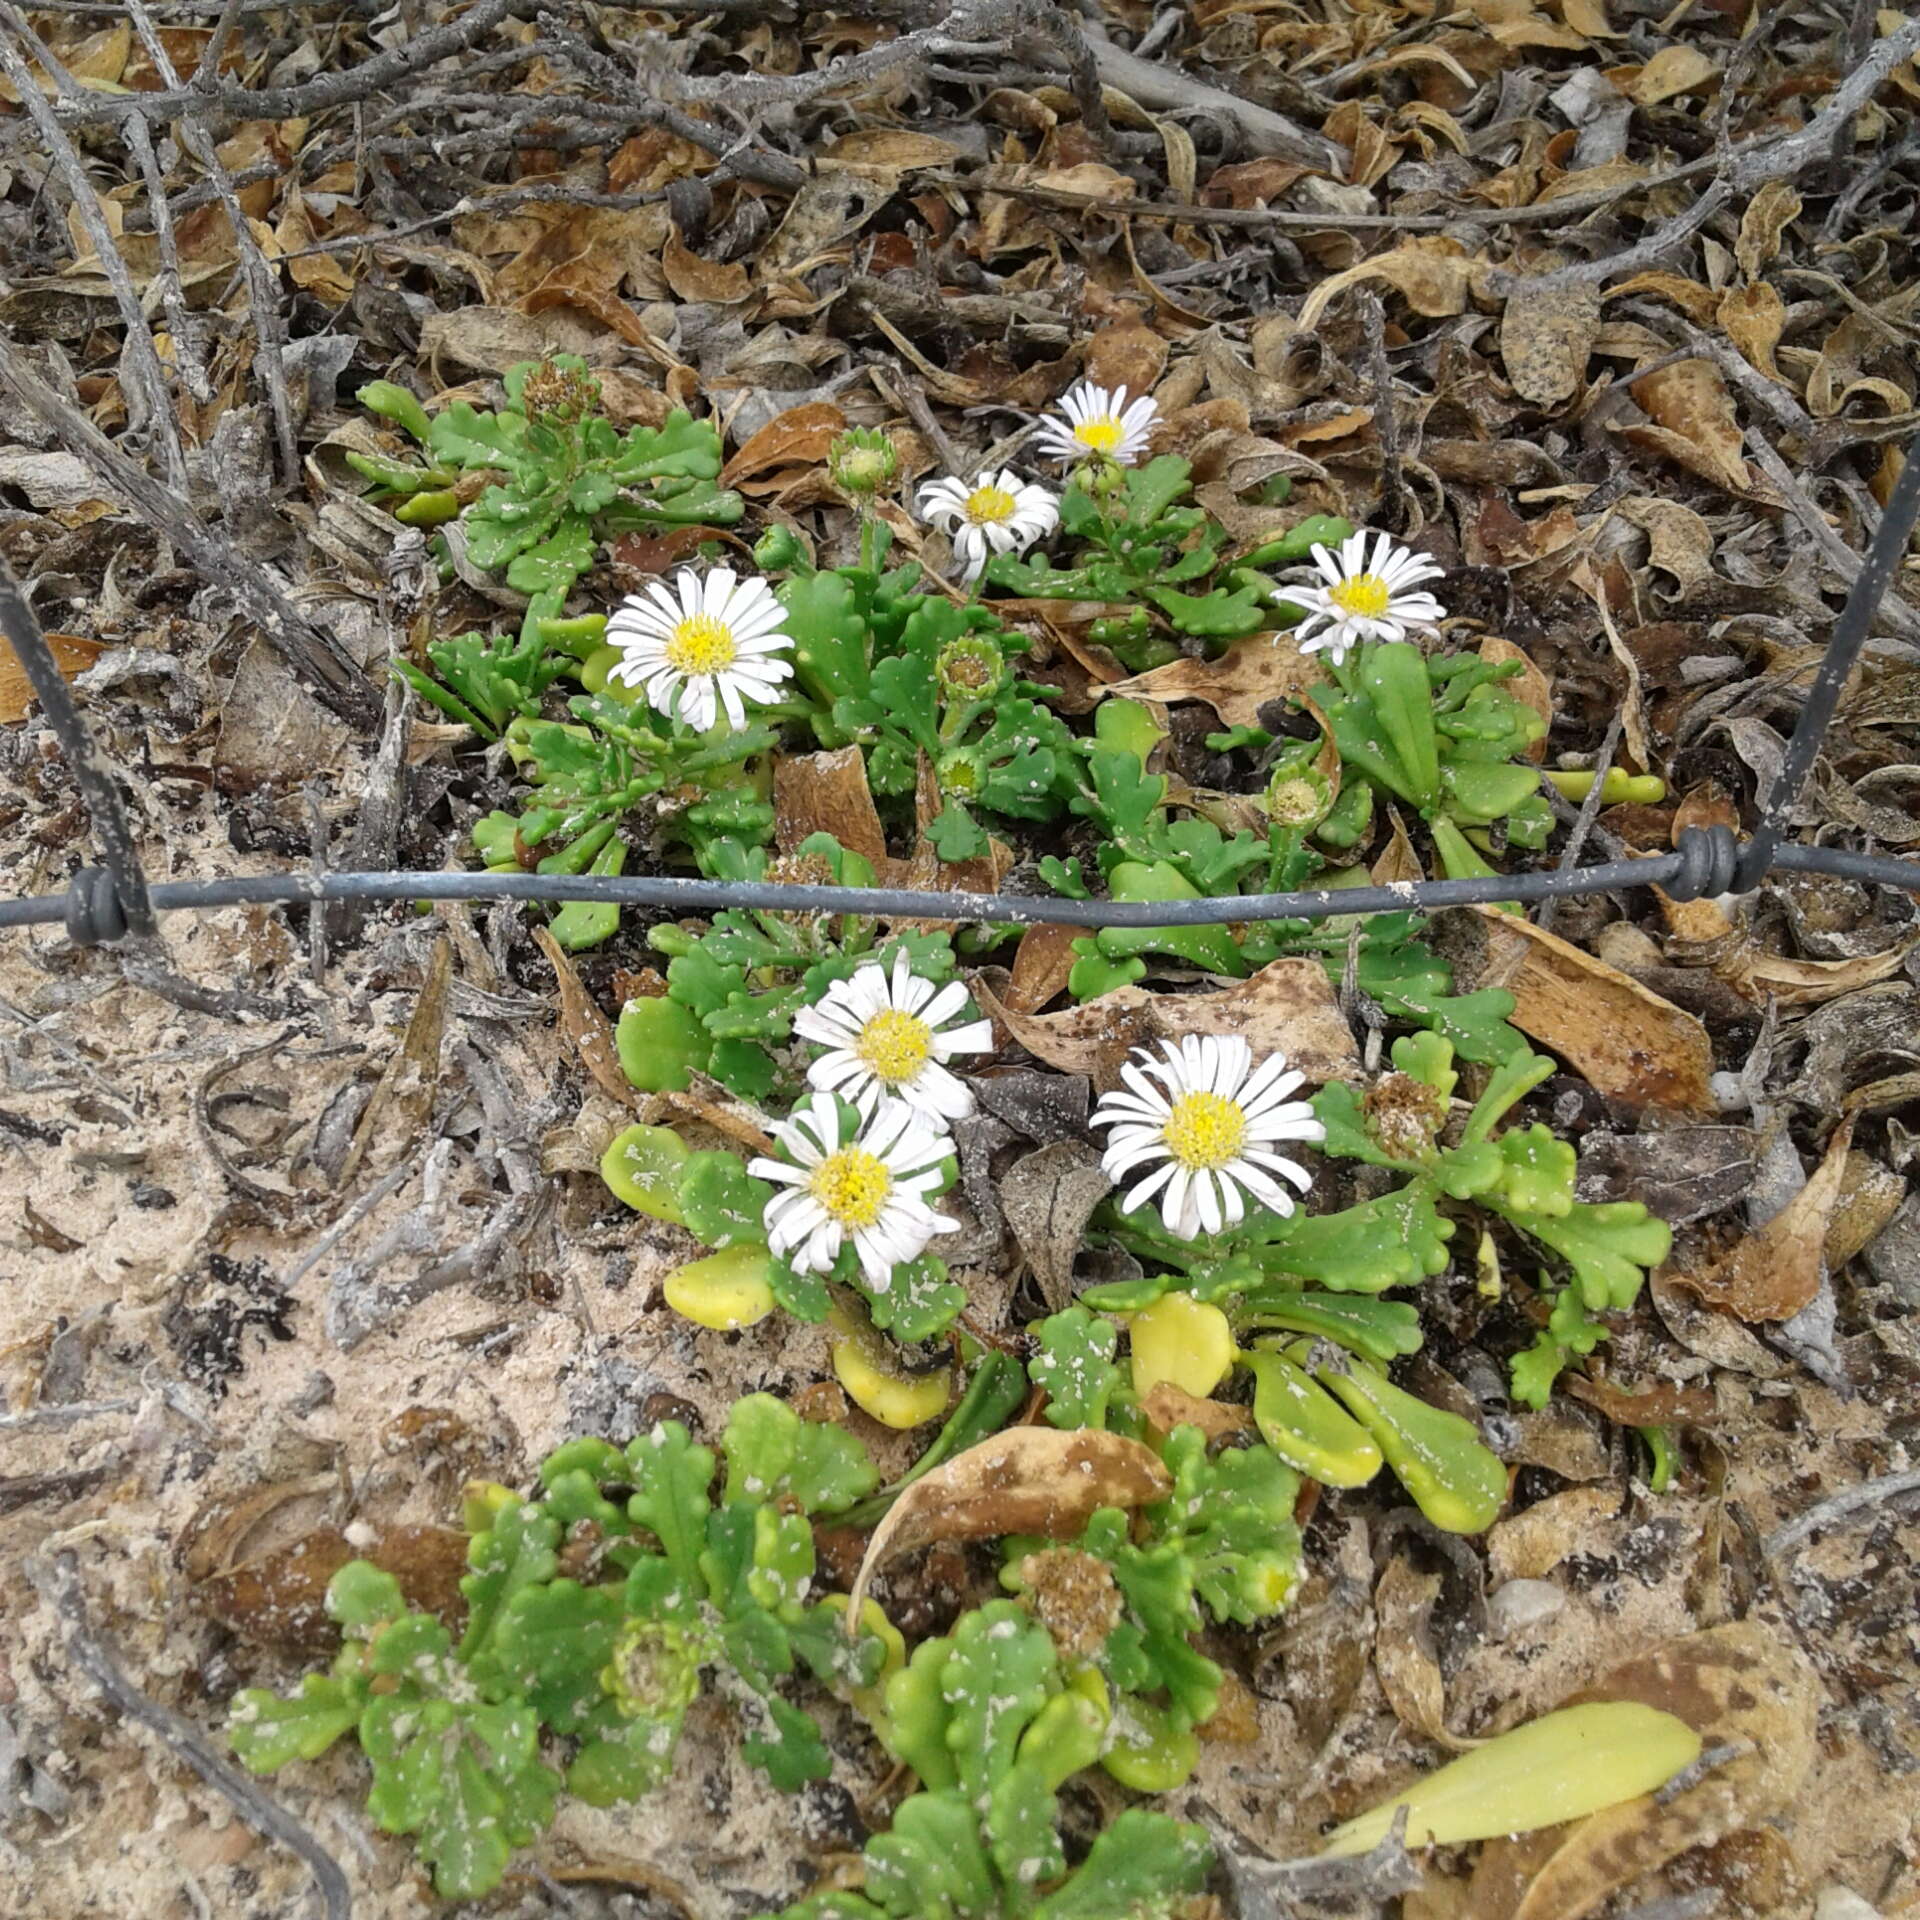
x=1522 y=1605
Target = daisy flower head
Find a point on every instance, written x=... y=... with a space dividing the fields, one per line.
x=701 y=644
x=891 y=1036
x=997 y=513
x=1360 y=599
x=870 y=1187
x=1099 y=425
x=1212 y=1119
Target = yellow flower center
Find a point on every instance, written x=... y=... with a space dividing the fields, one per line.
x=701 y=645
x=852 y=1185
x=1366 y=594
x=990 y=506
x=1102 y=433
x=895 y=1045
x=1205 y=1130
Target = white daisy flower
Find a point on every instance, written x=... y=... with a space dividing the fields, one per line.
x=1214 y=1118
x=884 y=1039
x=701 y=643
x=1362 y=601
x=999 y=513
x=1099 y=425
x=870 y=1188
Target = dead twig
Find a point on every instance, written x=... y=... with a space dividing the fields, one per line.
x=59 y=1586
x=263 y=293
x=1896 y=612
x=1869 y=1493
x=1589 y=809
x=316 y=657
x=310 y=96
x=149 y=404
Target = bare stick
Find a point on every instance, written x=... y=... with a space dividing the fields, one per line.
x=59 y=1586
x=316 y=657
x=1896 y=613
x=1589 y=809
x=263 y=293
x=311 y=96
x=148 y=402
x=172 y=285
x=1869 y=1493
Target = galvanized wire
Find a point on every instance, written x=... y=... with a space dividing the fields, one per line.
x=108 y=902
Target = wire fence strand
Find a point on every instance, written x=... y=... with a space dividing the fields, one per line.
x=111 y=901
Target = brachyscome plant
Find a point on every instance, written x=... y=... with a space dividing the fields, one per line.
x=557 y=479
x=890 y=1035
x=1208 y=1121
x=701 y=645
x=993 y=1727
x=1365 y=597
x=993 y=513
x=664 y=1590
x=1440 y=733
x=734 y=990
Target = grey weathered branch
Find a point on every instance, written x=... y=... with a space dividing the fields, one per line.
x=316 y=657
x=59 y=1586
x=310 y=96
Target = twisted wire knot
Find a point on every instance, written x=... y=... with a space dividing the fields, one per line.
x=1709 y=864
x=94 y=915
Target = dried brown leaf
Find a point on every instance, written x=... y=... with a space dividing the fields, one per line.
x=799 y=437
x=73 y=653
x=1739 y=1686
x=1130 y=356
x=1754 y=318
x=1673 y=70
x=1661 y=1405
x=1629 y=1043
x=1288 y=1007
x=1262 y=667
x=279 y=1600
x=586 y=1027
x=1167 y=1406
x=1768 y=215
x=1433 y=274
x=1694 y=422
x=1546 y=338
x=1041 y=964
x=1048 y=1197
x=1403 y=1656
x=827 y=793
x=1033 y=1480
x=1528 y=1545
x=1775 y=1271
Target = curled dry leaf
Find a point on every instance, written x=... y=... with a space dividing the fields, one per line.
x=1403 y=1656
x=798 y=438
x=72 y=652
x=403 y=1098
x=1528 y=1545
x=1167 y=1406
x=1047 y=1199
x=827 y=793
x=1434 y=275
x=1262 y=667
x=1041 y=964
x=1763 y=977
x=1664 y=1404
x=1027 y=1480
x=1546 y=338
x=1288 y=1006
x=1736 y=1686
x=586 y=1027
x=1694 y=422
x=1629 y=1042
x=1754 y=318
x=1775 y=1271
